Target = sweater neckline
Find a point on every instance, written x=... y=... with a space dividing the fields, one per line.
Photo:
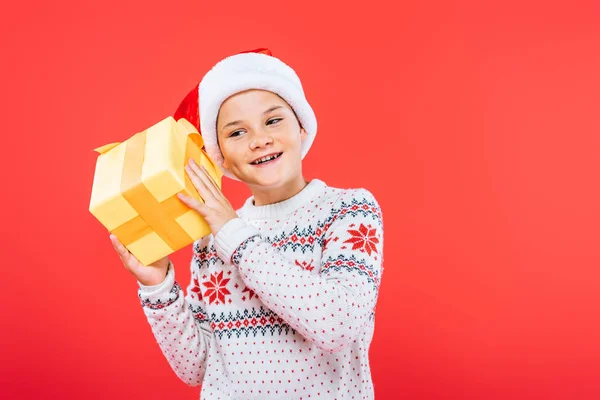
x=314 y=188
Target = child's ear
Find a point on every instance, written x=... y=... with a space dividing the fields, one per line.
x=303 y=134
x=225 y=164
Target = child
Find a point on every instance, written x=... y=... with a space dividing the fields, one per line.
x=282 y=296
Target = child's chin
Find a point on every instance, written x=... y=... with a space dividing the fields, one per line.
x=267 y=180
x=270 y=182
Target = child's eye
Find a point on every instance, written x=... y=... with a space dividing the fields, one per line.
x=235 y=133
x=273 y=121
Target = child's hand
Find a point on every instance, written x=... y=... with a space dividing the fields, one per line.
x=216 y=209
x=151 y=275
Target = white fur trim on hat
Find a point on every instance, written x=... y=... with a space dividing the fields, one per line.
x=246 y=71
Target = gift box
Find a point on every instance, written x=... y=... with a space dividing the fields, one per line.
x=134 y=192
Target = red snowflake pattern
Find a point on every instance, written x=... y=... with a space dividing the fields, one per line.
x=216 y=288
x=305 y=265
x=196 y=289
x=250 y=293
x=364 y=239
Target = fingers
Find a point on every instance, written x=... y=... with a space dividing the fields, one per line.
x=121 y=250
x=118 y=245
x=201 y=178
x=210 y=179
x=193 y=203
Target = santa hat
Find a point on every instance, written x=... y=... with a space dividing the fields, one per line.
x=254 y=69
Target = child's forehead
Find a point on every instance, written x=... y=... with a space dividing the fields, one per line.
x=251 y=104
x=256 y=95
x=253 y=100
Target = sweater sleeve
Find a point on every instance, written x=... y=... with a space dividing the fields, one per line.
x=329 y=308
x=179 y=323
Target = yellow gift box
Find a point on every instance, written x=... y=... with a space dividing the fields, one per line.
x=134 y=193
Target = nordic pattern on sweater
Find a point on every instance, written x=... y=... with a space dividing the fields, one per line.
x=290 y=313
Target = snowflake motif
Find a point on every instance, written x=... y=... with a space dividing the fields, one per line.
x=216 y=288
x=200 y=316
x=364 y=239
x=196 y=289
x=250 y=294
x=305 y=265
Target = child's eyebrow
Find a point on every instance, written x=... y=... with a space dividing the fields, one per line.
x=232 y=123
x=272 y=109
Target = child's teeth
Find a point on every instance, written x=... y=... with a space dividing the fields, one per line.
x=265 y=159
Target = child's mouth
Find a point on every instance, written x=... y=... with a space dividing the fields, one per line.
x=268 y=160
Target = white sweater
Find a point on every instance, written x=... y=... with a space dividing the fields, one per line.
x=281 y=303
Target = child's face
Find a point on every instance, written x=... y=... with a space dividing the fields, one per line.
x=254 y=124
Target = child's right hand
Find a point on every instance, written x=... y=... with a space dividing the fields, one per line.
x=151 y=275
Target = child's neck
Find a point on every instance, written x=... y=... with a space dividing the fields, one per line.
x=275 y=195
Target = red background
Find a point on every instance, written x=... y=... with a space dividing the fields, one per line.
x=475 y=125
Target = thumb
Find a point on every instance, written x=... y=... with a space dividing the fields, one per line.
x=194 y=204
x=122 y=251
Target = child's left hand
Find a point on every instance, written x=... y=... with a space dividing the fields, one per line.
x=216 y=210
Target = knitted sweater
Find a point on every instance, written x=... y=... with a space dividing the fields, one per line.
x=281 y=303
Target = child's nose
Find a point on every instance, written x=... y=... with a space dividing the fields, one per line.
x=260 y=140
